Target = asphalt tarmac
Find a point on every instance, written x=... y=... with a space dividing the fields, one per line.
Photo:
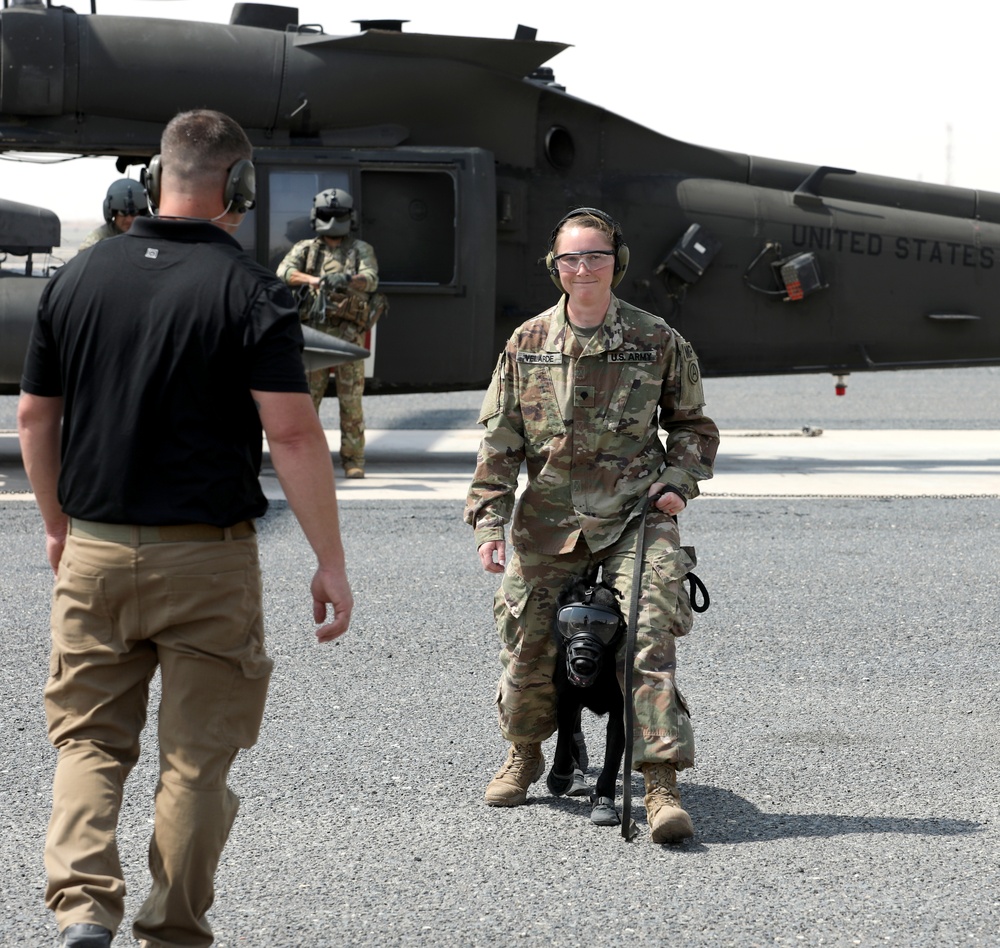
x=843 y=687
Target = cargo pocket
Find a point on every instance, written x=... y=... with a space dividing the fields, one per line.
x=508 y=606
x=217 y=628
x=515 y=591
x=527 y=646
x=669 y=605
x=244 y=711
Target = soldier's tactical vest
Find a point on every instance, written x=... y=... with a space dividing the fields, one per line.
x=361 y=309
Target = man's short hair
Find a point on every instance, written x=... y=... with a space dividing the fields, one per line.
x=196 y=146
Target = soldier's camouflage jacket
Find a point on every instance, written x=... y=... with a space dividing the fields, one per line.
x=317 y=258
x=96 y=236
x=351 y=255
x=585 y=423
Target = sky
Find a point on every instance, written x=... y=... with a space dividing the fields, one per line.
x=884 y=86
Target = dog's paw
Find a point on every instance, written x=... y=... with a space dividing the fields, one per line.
x=559 y=784
x=579 y=787
x=604 y=812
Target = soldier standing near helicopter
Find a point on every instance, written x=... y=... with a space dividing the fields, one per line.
x=124 y=202
x=578 y=397
x=343 y=269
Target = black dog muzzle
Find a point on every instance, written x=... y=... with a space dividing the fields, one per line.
x=588 y=632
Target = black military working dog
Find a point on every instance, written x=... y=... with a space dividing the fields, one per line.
x=588 y=629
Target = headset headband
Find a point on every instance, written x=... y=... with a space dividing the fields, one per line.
x=616 y=230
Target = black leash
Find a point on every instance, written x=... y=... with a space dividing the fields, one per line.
x=695 y=586
x=629 y=829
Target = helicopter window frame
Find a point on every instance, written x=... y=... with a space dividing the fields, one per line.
x=432 y=214
x=437 y=255
x=287 y=221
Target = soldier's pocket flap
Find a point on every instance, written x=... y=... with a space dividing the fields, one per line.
x=676 y=564
x=516 y=592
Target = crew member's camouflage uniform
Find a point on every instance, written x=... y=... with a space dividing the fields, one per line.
x=353 y=257
x=585 y=422
x=97 y=235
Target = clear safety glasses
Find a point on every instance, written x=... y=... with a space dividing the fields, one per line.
x=591 y=259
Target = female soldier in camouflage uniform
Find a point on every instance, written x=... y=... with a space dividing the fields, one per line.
x=576 y=395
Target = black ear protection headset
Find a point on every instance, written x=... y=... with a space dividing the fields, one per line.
x=240 y=193
x=617 y=244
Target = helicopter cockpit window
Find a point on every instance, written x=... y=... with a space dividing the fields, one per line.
x=290 y=196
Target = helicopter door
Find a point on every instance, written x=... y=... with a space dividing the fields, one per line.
x=410 y=217
x=430 y=215
x=433 y=227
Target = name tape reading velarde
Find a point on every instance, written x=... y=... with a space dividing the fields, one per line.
x=556 y=358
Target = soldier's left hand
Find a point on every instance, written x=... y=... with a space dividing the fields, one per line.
x=670 y=503
x=330 y=586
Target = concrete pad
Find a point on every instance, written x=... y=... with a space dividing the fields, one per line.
x=433 y=464
x=844 y=463
x=437 y=464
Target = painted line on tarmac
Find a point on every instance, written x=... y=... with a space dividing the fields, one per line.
x=388 y=485
x=835 y=463
x=438 y=464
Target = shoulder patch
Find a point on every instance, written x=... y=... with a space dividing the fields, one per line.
x=693 y=370
x=691 y=393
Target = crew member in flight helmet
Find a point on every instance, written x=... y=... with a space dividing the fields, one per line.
x=124 y=202
x=342 y=268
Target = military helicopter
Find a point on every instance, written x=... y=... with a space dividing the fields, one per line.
x=461 y=153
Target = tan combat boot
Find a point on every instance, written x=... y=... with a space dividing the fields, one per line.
x=668 y=821
x=523 y=766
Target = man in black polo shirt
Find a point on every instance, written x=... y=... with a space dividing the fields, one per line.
x=156 y=360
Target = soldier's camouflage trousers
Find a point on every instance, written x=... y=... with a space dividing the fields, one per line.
x=350 y=387
x=525 y=612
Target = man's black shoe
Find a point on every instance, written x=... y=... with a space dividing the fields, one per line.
x=84 y=935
